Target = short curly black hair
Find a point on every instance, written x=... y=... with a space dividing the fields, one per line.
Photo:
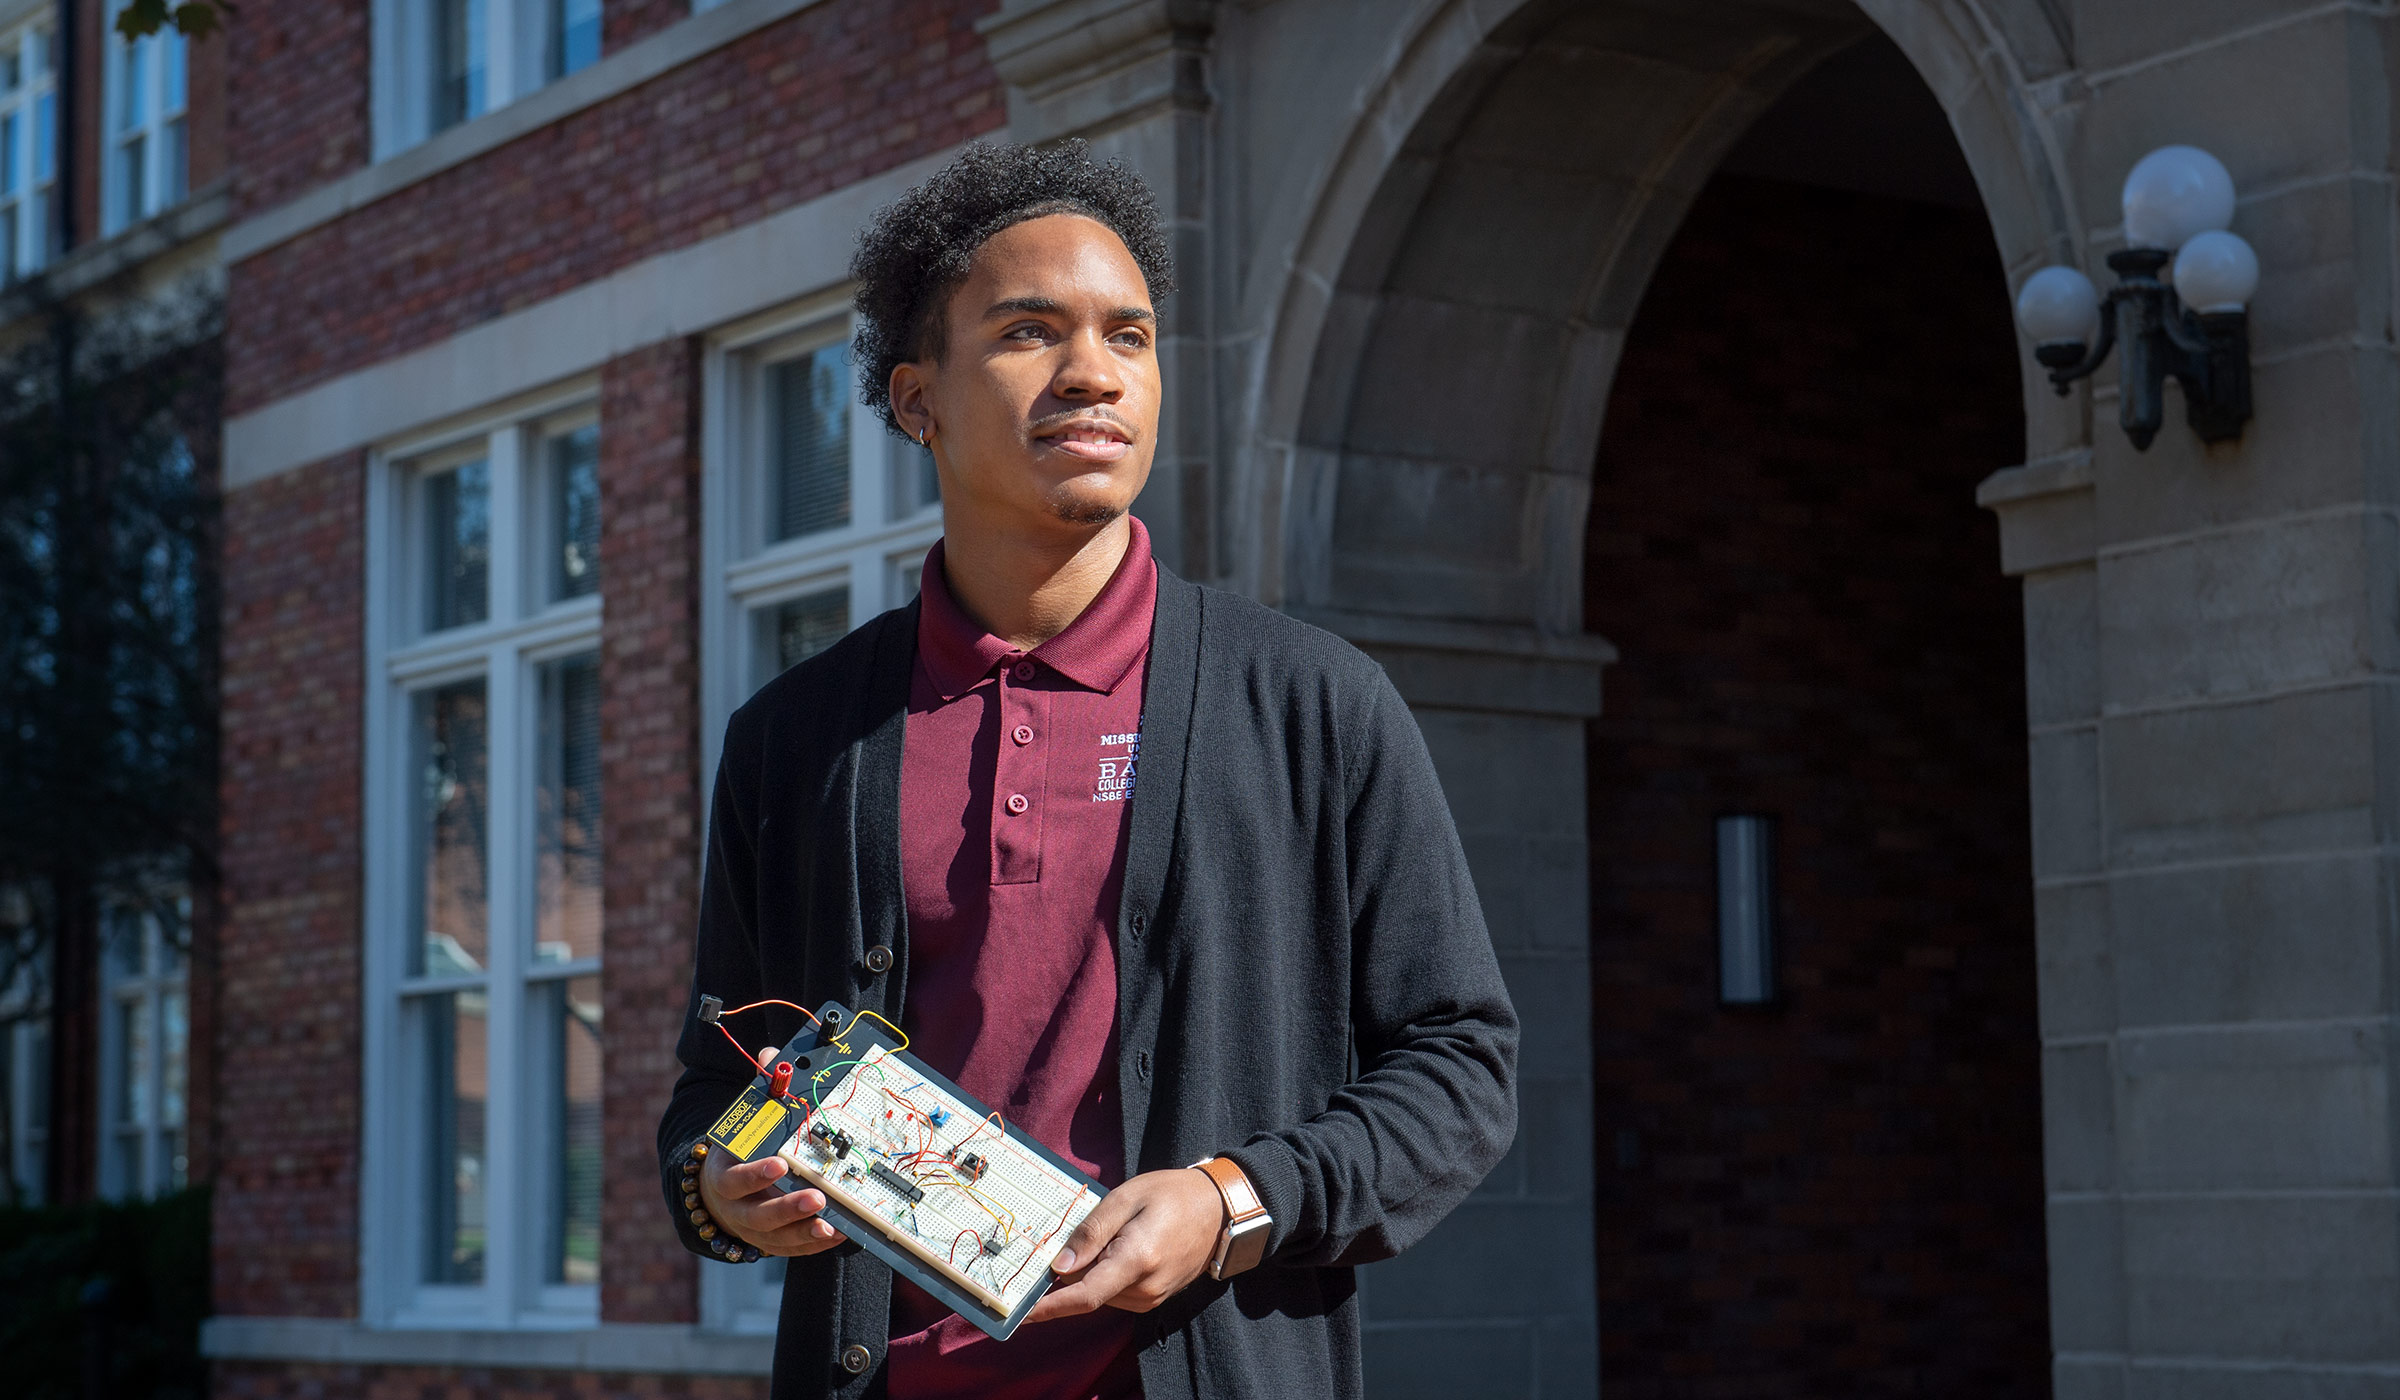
x=915 y=253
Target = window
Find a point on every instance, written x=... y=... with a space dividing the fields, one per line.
x=148 y=161
x=818 y=518
x=28 y=149
x=145 y=1045
x=443 y=62
x=483 y=1164
x=24 y=1058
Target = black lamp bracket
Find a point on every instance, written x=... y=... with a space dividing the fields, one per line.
x=2207 y=352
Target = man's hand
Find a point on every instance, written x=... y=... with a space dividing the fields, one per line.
x=743 y=1198
x=1139 y=1247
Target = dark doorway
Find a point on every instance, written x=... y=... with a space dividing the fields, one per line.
x=1838 y=1193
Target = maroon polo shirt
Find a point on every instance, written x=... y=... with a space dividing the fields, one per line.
x=1015 y=782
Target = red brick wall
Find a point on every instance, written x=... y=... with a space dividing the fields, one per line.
x=298 y=117
x=204 y=122
x=288 y=997
x=821 y=100
x=1840 y=1195
x=651 y=818
x=624 y=21
x=243 y=1381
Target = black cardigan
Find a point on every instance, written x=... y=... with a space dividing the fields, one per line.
x=1305 y=983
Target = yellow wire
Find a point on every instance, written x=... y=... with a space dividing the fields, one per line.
x=857 y=1016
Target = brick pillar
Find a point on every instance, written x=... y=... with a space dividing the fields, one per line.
x=652 y=810
x=287 y=1038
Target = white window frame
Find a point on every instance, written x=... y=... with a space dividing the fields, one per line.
x=37 y=84
x=521 y=632
x=158 y=978
x=876 y=556
x=517 y=62
x=166 y=164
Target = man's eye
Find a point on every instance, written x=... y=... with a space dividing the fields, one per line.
x=1132 y=339
x=1027 y=332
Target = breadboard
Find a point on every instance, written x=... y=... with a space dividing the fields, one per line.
x=915 y=1169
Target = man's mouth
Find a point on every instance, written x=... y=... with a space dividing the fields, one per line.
x=1090 y=440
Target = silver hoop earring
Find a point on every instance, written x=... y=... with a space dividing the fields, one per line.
x=925 y=436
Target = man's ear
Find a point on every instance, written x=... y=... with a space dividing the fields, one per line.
x=910 y=392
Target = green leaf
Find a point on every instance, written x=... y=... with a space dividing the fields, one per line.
x=194 y=19
x=141 y=18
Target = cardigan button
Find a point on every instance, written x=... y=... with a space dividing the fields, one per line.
x=856 y=1359
x=879 y=959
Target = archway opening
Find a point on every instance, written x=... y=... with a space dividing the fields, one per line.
x=1839 y=1191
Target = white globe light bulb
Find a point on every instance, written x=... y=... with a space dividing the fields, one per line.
x=2216 y=271
x=2057 y=304
x=2173 y=193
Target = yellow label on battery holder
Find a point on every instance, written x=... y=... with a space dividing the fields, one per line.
x=754 y=1132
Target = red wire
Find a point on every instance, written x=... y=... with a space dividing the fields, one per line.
x=962 y=1235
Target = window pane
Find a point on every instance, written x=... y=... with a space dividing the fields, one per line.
x=451 y=1038
x=793 y=631
x=11 y=72
x=809 y=419
x=567 y=919
x=10 y=174
x=575 y=510
x=574 y=35
x=567 y=1015
x=449 y=829
x=133 y=83
x=45 y=145
x=176 y=1052
x=178 y=159
x=171 y=60
x=133 y=1062
x=130 y=157
x=458 y=520
x=458 y=61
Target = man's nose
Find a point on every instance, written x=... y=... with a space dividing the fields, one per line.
x=1088 y=373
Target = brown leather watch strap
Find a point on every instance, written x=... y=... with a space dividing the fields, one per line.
x=1242 y=1239
x=1241 y=1200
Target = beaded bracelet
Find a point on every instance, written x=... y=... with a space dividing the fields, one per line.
x=720 y=1242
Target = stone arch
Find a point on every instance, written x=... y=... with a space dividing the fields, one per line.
x=1365 y=431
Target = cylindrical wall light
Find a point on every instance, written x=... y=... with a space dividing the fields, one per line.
x=1745 y=910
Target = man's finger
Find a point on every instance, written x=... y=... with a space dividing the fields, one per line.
x=749 y=1178
x=1085 y=1242
x=766 y=1057
x=1112 y=1275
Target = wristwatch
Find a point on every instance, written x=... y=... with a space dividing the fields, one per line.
x=1242 y=1240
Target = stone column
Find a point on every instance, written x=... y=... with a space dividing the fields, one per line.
x=2210 y=638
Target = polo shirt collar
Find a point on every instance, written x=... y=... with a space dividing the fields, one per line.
x=1095 y=651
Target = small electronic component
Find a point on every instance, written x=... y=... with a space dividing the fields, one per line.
x=937 y=1116
x=710 y=1009
x=901 y=1185
x=991 y=1247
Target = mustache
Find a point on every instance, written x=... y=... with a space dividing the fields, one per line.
x=1095 y=413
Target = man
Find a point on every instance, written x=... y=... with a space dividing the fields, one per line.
x=1163 y=876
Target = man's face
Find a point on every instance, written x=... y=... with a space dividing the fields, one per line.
x=1044 y=402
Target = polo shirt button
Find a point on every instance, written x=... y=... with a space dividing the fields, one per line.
x=856 y=1359
x=879 y=959
x=1023 y=734
x=1017 y=804
x=1024 y=671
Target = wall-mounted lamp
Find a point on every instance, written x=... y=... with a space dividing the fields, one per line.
x=1745 y=910
x=2191 y=323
